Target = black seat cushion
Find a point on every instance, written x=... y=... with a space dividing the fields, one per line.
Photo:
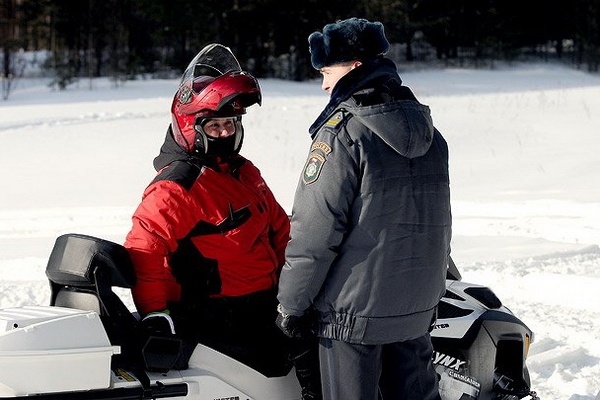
x=75 y=258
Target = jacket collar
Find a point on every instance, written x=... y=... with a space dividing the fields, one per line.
x=359 y=78
x=170 y=152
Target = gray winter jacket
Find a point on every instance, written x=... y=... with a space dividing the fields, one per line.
x=371 y=221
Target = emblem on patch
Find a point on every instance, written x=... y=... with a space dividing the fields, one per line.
x=313 y=168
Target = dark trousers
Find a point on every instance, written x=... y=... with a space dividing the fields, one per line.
x=244 y=328
x=305 y=356
x=395 y=371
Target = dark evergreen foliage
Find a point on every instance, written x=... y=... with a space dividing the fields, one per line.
x=126 y=38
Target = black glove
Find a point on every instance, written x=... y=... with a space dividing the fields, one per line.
x=293 y=326
x=160 y=345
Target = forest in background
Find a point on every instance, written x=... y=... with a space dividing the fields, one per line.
x=126 y=39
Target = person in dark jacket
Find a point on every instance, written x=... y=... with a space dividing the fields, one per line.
x=371 y=225
x=208 y=239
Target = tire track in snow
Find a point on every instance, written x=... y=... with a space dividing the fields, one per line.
x=79 y=120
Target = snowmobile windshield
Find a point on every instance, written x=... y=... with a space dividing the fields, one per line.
x=211 y=62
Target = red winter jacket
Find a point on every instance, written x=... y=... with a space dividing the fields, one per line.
x=224 y=213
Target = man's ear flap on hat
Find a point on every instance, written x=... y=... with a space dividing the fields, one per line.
x=318 y=54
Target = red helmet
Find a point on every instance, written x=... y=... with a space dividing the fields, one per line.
x=213 y=86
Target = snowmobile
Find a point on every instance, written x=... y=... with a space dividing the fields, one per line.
x=81 y=346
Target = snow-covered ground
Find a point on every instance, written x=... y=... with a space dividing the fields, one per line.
x=525 y=170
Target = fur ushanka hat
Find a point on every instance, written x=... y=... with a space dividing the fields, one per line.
x=347 y=40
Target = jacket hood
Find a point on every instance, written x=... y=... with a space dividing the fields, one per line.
x=170 y=151
x=401 y=121
x=405 y=125
x=353 y=81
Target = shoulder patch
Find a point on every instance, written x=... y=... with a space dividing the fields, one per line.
x=336 y=119
x=312 y=168
x=324 y=147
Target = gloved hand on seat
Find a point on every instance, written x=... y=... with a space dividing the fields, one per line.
x=161 y=347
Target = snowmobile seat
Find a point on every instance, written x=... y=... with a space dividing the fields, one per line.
x=82 y=271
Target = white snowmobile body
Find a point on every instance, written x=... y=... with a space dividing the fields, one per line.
x=74 y=348
x=56 y=352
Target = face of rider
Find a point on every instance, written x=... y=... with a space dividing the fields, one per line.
x=222 y=138
x=220 y=128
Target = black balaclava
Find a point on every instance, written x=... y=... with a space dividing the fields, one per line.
x=221 y=147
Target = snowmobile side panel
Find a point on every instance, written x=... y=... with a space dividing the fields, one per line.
x=253 y=384
x=489 y=359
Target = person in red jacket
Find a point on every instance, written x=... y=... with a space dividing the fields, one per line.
x=208 y=238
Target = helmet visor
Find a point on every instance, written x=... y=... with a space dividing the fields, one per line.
x=213 y=60
x=199 y=83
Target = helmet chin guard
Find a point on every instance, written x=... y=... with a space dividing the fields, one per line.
x=221 y=147
x=212 y=86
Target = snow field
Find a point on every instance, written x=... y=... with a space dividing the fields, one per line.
x=524 y=165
